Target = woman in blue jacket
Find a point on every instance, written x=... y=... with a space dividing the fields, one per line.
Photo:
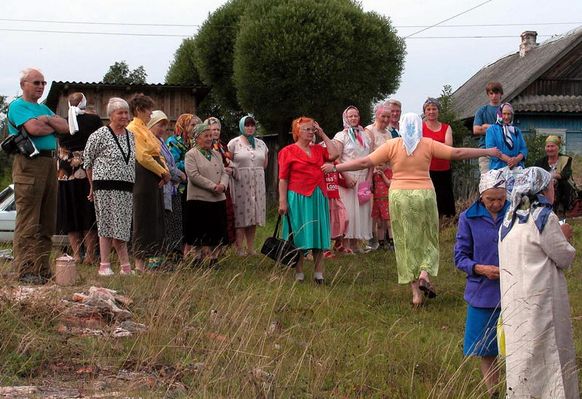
x=507 y=138
x=476 y=254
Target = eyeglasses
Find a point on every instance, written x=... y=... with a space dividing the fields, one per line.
x=38 y=82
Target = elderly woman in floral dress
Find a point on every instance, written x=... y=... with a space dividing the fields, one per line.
x=250 y=158
x=109 y=158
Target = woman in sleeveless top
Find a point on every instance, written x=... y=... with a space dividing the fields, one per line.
x=440 y=169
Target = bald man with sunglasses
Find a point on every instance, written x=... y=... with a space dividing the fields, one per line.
x=35 y=179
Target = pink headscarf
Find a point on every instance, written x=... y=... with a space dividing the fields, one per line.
x=356 y=133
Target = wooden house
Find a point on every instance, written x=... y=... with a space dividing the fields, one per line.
x=543 y=82
x=173 y=100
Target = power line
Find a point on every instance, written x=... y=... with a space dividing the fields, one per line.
x=96 y=23
x=469 y=37
x=93 y=33
x=489 y=25
x=448 y=19
x=184 y=36
x=438 y=25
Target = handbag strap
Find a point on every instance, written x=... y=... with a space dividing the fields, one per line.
x=276 y=232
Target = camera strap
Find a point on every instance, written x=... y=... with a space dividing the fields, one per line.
x=19 y=129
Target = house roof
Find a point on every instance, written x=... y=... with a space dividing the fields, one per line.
x=540 y=103
x=514 y=72
x=198 y=91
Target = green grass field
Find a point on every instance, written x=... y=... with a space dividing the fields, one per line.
x=357 y=337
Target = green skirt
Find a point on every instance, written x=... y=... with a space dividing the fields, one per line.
x=415 y=226
x=309 y=219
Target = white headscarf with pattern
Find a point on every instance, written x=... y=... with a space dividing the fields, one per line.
x=410 y=131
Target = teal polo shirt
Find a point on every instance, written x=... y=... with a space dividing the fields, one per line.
x=21 y=111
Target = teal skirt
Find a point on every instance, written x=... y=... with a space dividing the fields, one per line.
x=309 y=219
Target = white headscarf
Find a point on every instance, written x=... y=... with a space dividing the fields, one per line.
x=525 y=199
x=410 y=131
x=74 y=111
x=494 y=178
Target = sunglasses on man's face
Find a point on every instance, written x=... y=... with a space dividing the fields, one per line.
x=38 y=82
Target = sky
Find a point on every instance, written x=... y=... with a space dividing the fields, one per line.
x=435 y=57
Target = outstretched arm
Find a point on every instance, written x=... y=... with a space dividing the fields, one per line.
x=356 y=164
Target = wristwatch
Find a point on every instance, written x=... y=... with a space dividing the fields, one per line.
x=334 y=169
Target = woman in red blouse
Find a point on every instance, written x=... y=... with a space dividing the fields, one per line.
x=302 y=192
x=440 y=169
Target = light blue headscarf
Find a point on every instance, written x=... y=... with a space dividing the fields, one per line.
x=526 y=200
x=410 y=131
x=241 y=127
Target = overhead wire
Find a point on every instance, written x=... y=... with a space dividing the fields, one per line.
x=448 y=19
x=437 y=25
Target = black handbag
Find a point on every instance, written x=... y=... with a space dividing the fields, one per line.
x=281 y=251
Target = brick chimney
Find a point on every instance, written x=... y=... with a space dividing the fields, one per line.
x=528 y=42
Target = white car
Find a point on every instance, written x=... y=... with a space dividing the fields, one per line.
x=7 y=214
x=8 y=218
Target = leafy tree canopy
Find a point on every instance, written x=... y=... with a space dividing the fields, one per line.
x=183 y=71
x=214 y=44
x=119 y=73
x=279 y=59
x=299 y=57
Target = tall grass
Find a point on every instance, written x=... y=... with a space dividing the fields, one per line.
x=248 y=330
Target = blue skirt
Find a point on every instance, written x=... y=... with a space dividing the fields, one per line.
x=309 y=219
x=481 y=331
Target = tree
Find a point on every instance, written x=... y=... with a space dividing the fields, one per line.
x=299 y=57
x=214 y=53
x=183 y=70
x=119 y=73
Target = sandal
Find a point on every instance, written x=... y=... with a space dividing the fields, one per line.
x=105 y=270
x=427 y=288
x=328 y=254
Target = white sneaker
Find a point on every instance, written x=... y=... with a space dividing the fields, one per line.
x=106 y=272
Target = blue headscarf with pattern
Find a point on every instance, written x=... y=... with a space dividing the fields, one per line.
x=526 y=200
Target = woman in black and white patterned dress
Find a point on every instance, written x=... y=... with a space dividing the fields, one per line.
x=110 y=163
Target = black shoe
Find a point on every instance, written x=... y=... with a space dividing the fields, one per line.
x=319 y=281
x=33 y=279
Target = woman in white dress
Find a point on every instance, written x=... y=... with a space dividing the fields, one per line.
x=353 y=143
x=250 y=157
x=533 y=253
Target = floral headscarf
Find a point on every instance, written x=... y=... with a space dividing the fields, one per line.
x=181 y=128
x=356 y=133
x=241 y=128
x=508 y=129
x=491 y=179
x=410 y=131
x=526 y=200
